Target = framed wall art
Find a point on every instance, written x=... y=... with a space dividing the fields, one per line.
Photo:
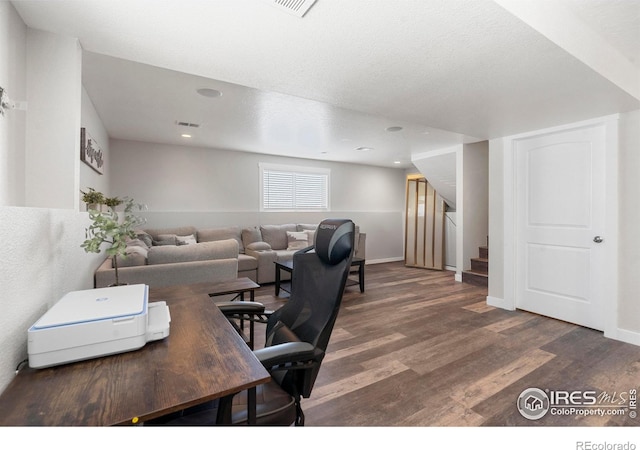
x=90 y=152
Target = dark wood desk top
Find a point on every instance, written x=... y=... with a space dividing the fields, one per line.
x=203 y=358
x=222 y=288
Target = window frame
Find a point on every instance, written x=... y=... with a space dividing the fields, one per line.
x=294 y=170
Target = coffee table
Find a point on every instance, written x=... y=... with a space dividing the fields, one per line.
x=287 y=266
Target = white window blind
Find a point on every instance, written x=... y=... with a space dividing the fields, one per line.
x=294 y=189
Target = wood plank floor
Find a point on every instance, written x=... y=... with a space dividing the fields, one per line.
x=419 y=349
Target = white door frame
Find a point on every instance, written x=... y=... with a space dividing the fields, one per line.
x=610 y=277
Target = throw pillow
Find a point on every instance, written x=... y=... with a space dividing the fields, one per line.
x=144 y=237
x=311 y=236
x=186 y=240
x=137 y=243
x=297 y=240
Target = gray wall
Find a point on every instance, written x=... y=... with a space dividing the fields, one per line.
x=211 y=187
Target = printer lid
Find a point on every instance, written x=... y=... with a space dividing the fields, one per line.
x=96 y=304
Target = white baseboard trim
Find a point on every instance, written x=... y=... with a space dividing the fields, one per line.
x=499 y=303
x=458 y=277
x=383 y=260
x=628 y=336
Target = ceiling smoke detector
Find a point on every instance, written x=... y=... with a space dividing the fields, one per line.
x=296 y=7
x=208 y=92
x=187 y=124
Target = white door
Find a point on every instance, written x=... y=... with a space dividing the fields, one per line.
x=560 y=203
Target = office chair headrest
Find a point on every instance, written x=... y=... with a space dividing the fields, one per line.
x=334 y=240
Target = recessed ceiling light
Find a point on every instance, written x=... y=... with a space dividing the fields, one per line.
x=394 y=129
x=397 y=162
x=208 y=92
x=185 y=135
x=363 y=149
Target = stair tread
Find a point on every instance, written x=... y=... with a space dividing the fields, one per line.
x=475 y=272
x=480 y=259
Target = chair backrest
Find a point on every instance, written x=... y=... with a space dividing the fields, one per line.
x=317 y=284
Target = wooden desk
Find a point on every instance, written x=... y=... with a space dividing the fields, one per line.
x=202 y=359
x=239 y=286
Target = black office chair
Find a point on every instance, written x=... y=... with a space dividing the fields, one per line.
x=297 y=335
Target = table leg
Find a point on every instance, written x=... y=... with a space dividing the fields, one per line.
x=241 y=320
x=251 y=328
x=361 y=276
x=251 y=406
x=277 y=280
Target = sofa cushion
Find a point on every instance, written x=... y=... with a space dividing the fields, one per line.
x=307 y=226
x=219 y=234
x=136 y=256
x=251 y=235
x=178 y=231
x=276 y=235
x=285 y=255
x=297 y=240
x=246 y=263
x=258 y=246
x=166 y=239
x=196 y=252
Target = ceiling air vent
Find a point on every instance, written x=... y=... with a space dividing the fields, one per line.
x=187 y=124
x=296 y=7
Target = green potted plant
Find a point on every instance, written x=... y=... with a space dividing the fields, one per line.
x=93 y=199
x=108 y=228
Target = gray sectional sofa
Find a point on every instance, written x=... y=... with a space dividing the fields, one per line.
x=184 y=255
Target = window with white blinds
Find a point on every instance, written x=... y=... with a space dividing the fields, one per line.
x=294 y=188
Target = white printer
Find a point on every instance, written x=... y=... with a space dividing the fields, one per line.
x=96 y=322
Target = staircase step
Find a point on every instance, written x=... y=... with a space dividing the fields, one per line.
x=475 y=278
x=484 y=252
x=480 y=265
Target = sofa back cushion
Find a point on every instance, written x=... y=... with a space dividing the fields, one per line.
x=276 y=235
x=220 y=234
x=307 y=226
x=136 y=256
x=177 y=231
x=166 y=254
x=251 y=235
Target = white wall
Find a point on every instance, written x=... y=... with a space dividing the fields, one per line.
x=54 y=90
x=496 y=221
x=40 y=255
x=211 y=187
x=13 y=39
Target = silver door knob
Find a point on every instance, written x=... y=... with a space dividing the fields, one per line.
x=597 y=239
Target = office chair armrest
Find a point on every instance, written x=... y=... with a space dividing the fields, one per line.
x=240 y=307
x=287 y=353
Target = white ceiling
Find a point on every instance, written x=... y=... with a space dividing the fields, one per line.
x=447 y=71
